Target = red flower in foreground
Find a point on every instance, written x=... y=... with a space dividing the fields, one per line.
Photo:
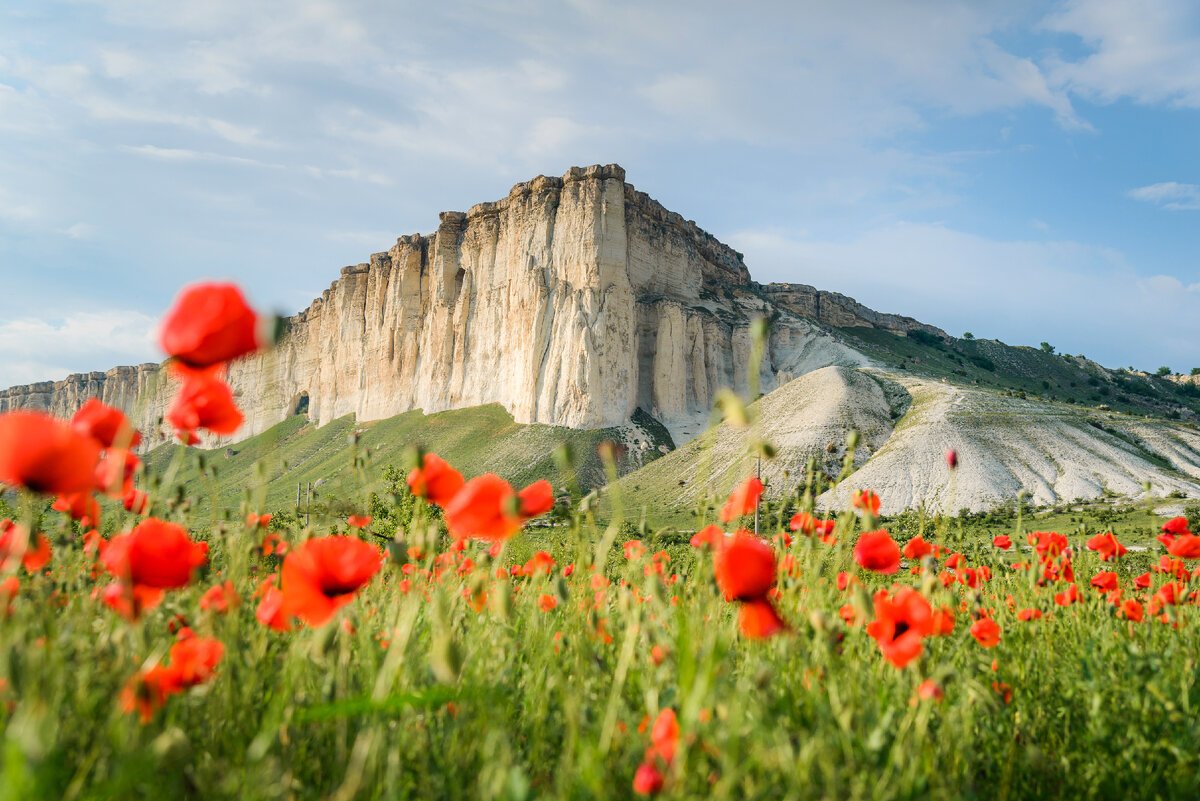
x=710 y=536
x=745 y=568
x=193 y=661
x=45 y=455
x=648 y=780
x=917 y=548
x=1185 y=546
x=743 y=500
x=1107 y=546
x=106 y=425
x=155 y=554
x=16 y=545
x=986 y=632
x=867 y=501
x=210 y=324
x=435 y=480
x=902 y=622
x=1003 y=542
x=487 y=508
x=1105 y=581
x=877 y=551
x=758 y=620
x=1176 y=526
x=204 y=402
x=1133 y=611
x=324 y=574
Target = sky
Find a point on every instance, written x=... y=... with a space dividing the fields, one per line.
x=1025 y=171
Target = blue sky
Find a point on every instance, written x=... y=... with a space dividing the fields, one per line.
x=1023 y=170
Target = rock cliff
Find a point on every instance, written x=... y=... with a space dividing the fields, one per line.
x=573 y=301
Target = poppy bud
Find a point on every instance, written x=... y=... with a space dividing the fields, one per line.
x=952 y=458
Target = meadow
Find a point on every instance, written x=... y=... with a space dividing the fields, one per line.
x=425 y=634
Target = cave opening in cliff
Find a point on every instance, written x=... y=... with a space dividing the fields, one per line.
x=300 y=405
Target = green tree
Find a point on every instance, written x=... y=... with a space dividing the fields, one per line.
x=1163 y=372
x=968 y=335
x=1047 y=347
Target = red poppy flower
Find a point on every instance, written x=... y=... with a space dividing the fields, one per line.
x=745 y=568
x=930 y=690
x=210 y=324
x=648 y=780
x=147 y=691
x=325 y=574
x=485 y=508
x=271 y=611
x=1107 y=546
x=220 y=598
x=1003 y=542
x=867 y=501
x=258 y=521
x=16 y=545
x=1142 y=582
x=1105 y=581
x=902 y=621
x=1029 y=614
x=130 y=601
x=203 y=402
x=1185 y=546
x=743 y=500
x=536 y=499
x=105 y=424
x=540 y=562
x=877 y=551
x=136 y=501
x=710 y=536
x=917 y=548
x=155 y=554
x=759 y=619
x=547 y=603
x=952 y=458
x=1176 y=526
x=358 y=521
x=1068 y=596
x=943 y=621
x=435 y=480
x=195 y=659
x=986 y=632
x=1048 y=543
x=45 y=455
x=81 y=506
x=664 y=735
x=1132 y=610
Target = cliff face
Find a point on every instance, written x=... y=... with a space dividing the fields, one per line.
x=572 y=302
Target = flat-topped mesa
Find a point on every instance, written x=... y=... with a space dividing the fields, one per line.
x=572 y=301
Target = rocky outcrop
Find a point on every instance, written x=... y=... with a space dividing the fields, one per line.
x=573 y=301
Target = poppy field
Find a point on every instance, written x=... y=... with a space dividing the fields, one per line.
x=501 y=642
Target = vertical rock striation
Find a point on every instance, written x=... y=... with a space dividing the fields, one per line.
x=573 y=301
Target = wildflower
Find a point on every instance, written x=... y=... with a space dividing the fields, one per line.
x=664 y=735
x=745 y=568
x=435 y=480
x=106 y=425
x=1176 y=526
x=1105 y=581
x=195 y=659
x=902 y=621
x=633 y=549
x=648 y=780
x=1132 y=610
x=930 y=690
x=155 y=554
x=540 y=562
x=952 y=458
x=710 y=536
x=867 y=501
x=1048 y=543
x=325 y=574
x=44 y=455
x=1003 y=542
x=758 y=620
x=210 y=324
x=1029 y=614
x=203 y=402
x=272 y=611
x=358 y=521
x=147 y=691
x=877 y=551
x=15 y=543
x=258 y=521
x=1142 y=582
x=917 y=548
x=1107 y=546
x=943 y=621
x=547 y=603
x=220 y=598
x=1185 y=546
x=743 y=500
x=807 y=524
x=487 y=508
x=1068 y=596
x=986 y=632
x=136 y=501
x=81 y=506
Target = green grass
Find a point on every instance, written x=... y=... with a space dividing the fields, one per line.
x=480 y=439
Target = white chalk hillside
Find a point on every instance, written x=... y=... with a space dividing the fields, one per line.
x=1054 y=452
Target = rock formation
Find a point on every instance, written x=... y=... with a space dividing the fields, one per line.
x=574 y=301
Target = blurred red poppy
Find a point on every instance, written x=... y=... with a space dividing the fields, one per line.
x=1003 y=542
x=986 y=632
x=155 y=554
x=435 y=480
x=902 y=621
x=743 y=500
x=107 y=425
x=209 y=324
x=1107 y=546
x=745 y=568
x=203 y=402
x=877 y=551
x=867 y=501
x=45 y=455
x=358 y=521
x=326 y=573
x=917 y=548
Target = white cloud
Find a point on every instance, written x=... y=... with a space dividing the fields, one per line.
x=1169 y=195
x=48 y=349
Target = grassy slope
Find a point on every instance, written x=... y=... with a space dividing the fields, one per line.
x=1056 y=377
x=476 y=440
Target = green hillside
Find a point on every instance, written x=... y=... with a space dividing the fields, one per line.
x=477 y=440
x=1028 y=372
